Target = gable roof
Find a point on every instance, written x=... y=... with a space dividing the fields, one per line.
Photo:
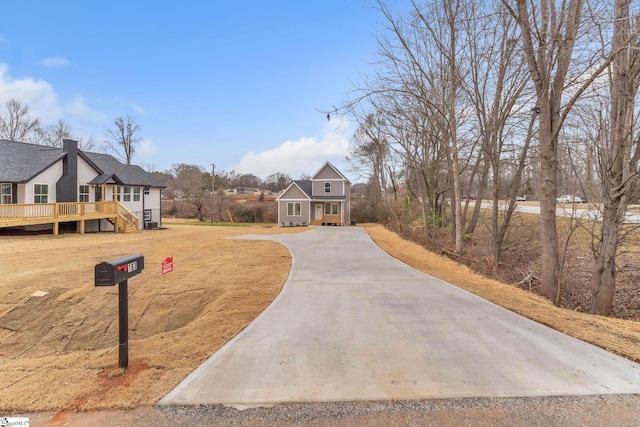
x=334 y=169
x=105 y=178
x=303 y=185
x=22 y=161
x=127 y=174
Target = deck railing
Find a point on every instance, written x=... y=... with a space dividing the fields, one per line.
x=332 y=218
x=38 y=213
x=129 y=216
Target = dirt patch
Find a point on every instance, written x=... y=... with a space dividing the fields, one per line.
x=58 y=352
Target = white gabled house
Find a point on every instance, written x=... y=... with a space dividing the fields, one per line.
x=45 y=187
x=322 y=200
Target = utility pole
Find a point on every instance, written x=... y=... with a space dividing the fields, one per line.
x=213 y=190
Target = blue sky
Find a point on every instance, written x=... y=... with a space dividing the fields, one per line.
x=235 y=83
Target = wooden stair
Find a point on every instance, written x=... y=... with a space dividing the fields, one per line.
x=122 y=225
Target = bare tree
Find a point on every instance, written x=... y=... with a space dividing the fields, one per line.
x=423 y=68
x=277 y=181
x=192 y=184
x=53 y=135
x=549 y=32
x=123 y=137
x=619 y=153
x=496 y=88
x=17 y=123
x=369 y=151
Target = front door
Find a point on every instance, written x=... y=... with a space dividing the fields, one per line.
x=318 y=214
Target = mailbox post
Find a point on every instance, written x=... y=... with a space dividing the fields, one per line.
x=118 y=271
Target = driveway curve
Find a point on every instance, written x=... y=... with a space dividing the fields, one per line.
x=354 y=324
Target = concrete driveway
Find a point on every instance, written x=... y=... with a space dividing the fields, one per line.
x=353 y=323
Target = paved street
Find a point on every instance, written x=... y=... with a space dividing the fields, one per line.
x=354 y=324
x=582 y=211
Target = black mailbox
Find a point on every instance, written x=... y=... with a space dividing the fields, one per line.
x=110 y=273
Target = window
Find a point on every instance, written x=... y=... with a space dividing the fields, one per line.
x=83 y=193
x=147 y=215
x=331 y=208
x=327 y=187
x=124 y=194
x=6 y=196
x=136 y=194
x=40 y=193
x=293 y=208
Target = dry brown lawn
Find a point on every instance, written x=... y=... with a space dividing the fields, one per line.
x=59 y=352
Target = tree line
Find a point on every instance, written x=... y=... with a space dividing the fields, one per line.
x=188 y=182
x=17 y=123
x=194 y=185
x=498 y=100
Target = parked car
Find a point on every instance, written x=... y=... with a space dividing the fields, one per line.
x=471 y=197
x=583 y=199
x=568 y=198
x=521 y=198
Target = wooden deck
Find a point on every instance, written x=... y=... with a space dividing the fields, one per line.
x=18 y=215
x=328 y=219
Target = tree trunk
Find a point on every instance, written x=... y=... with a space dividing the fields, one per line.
x=603 y=278
x=452 y=126
x=616 y=159
x=549 y=36
x=550 y=253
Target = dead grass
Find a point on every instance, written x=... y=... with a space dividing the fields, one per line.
x=59 y=352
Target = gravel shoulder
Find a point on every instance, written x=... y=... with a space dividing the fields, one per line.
x=601 y=411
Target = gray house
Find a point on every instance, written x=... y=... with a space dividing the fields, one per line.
x=42 y=187
x=322 y=200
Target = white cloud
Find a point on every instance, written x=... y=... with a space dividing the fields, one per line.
x=305 y=155
x=139 y=109
x=42 y=99
x=55 y=62
x=37 y=94
x=147 y=148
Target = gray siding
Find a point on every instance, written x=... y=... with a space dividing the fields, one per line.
x=288 y=220
x=336 y=188
x=327 y=172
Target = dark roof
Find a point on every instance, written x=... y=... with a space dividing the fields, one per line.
x=128 y=174
x=305 y=186
x=329 y=197
x=105 y=178
x=20 y=162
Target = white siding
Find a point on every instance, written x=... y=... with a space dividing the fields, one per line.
x=108 y=196
x=85 y=174
x=49 y=176
x=22 y=196
x=152 y=203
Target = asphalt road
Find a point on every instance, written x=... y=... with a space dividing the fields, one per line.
x=583 y=211
x=354 y=324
